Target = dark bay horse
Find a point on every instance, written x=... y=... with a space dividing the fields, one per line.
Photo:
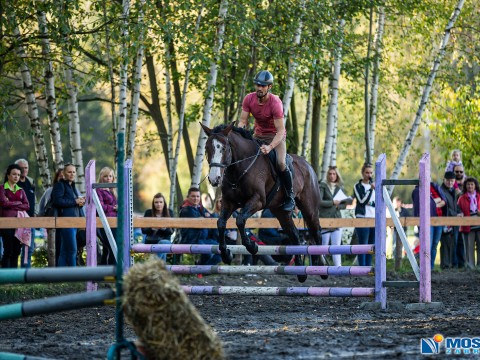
x=247 y=177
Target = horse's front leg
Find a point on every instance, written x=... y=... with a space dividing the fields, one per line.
x=250 y=245
x=224 y=252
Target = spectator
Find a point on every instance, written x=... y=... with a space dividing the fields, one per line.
x=455 y=160
x=12 y=200
x=330 y=206
x=192 y=208
x=448 y=241
x=108 y=200
x=28 y=185
x=69 y=203
x=437 y=208
x=460 y=177
x=468 y=203
x=364 y=193
x=158 y=235
x=46 y=208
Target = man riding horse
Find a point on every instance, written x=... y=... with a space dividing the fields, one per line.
x=267 y=110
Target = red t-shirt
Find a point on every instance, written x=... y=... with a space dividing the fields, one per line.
x=435 y=195
x=264 y=114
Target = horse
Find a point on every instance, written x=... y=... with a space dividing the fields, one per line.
x=248 y=181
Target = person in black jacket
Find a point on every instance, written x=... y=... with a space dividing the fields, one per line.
x=158 y=235
x=69 y=203
x=364 y=192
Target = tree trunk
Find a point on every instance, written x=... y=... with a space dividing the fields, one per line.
x=30 y=100
x=332 y=112
x=122 y=118
x=375 y=78
x=212 y=81
x=368 y=145
x=308 y=113
x=51 y=100
x=333 y=155
x=137 y=81
x=293 y=132
x=316 y=116
x=181 y=115
x=426 y=93
x=292 y=65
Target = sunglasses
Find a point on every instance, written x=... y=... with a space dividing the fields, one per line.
x=458 y=172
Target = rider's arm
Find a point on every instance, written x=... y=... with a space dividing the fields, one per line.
x=280 y=127
x=243 y=122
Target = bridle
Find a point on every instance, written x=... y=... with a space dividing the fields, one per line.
x=228 y=162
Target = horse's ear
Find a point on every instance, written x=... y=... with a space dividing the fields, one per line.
x=228 y=128
x=207 y=130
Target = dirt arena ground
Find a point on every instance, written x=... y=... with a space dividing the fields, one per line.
x=277 y=327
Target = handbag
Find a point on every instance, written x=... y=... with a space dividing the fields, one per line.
x=474 y=227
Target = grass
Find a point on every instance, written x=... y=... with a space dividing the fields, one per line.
x=20 y=292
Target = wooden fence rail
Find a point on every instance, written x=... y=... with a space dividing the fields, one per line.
x=254 y=223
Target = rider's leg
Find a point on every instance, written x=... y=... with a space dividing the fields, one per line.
x=285 y=176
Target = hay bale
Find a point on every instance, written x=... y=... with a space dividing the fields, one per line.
x=164 y=319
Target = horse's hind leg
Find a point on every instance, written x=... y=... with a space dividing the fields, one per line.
x=289 y=228
x=221 y=226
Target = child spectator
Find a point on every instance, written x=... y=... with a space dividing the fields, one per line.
x=455 y=160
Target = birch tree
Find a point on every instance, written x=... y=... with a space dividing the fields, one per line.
x=333 y=100
x=308 y=113
x=137 y=80
x=426 y=92
x=32 y=108
x=212 y=81
x=122 y=113
x=292 y=65
x=368 y=129
x=375 y=79
x=51 y=100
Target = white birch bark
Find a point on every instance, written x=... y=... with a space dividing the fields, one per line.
x=333 y=101
x=212 y=81
x=137 y=80
x=308 y=113
x=333 y=155
x=122 y=113
x=32 y=108
x=168 y=105
x=366 y=98
x=54 y=126
x=181 y=120
x=73 y=119
x=292 y=66
x=378 y=44
x=426 y=93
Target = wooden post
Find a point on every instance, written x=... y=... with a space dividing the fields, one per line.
x=91 y=221
x=425 y=254
x=380 y=233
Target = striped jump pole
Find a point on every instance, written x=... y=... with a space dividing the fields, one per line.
x=59 y=274
x=262 y=250
x=56 y=304
x=279 y=291
x=272 y=270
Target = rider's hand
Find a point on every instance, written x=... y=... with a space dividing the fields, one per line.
x=266 y=149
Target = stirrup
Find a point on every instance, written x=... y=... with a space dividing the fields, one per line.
x=289 y=204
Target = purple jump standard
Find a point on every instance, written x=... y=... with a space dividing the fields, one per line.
x=279 y=291
x=262 y=250
x=273 y=270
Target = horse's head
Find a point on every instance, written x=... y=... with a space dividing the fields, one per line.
x=219 y=153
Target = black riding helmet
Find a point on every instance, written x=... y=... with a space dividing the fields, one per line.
x=263 y=78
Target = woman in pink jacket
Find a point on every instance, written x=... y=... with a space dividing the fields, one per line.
x=469 y=203
x=12 y=200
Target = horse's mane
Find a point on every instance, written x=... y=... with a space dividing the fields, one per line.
x=241 y=131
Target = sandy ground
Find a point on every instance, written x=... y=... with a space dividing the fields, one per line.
x=270 y=327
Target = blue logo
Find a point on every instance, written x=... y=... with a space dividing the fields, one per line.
x=431 y=346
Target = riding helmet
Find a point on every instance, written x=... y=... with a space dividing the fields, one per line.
x=263 y=78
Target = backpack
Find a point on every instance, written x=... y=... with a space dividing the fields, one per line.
x=49 y=209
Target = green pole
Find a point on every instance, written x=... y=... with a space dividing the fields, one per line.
x=11 y=311
x=120 y=240
x=12 y=276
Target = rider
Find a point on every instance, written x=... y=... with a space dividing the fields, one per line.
x=267 y=110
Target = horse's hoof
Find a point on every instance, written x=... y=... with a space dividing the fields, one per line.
x=302 y=278
x=252 y=249
x=324 y=277
x=227 y=257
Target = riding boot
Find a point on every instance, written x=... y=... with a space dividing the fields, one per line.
x=287 y=181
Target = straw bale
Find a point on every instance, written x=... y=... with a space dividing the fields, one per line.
x=164 y=319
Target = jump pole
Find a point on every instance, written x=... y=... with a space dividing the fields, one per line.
x=279 y=291
x=91 y=222
x=425 y=254
x=60 y=274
